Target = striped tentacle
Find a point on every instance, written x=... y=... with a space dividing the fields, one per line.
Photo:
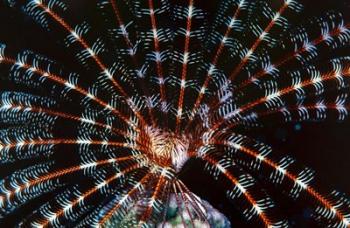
x=33 y=181
x=31 y=148
x=154 y=204
x=261 y=36
x=49 y=214
x=254 y=156
x=265 y=35
x=121 y=27
x=323 y=100
x=258 y=204
x=186 y=55
x=305 y=48
x=316 y=98
x=222 y=41
x=10 y=200
x=125 y=200
x=33 y=70
x=45 y=10
x=152 y=17
x=21 y=104
x=12 y=101
x=314 y=111
x=275 y=97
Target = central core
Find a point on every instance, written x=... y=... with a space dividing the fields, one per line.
x=166 y=148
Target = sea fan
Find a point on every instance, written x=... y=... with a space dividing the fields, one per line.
x=155 y=84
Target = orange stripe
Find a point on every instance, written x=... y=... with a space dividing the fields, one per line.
x=328 y=76
x=184 y=69
x=60 y=173
x=292 y=177
x=149 y=209
x=247 y=195
x=214 y=62
x=61 y=81
x=290 y=56
x=59 y=213
x=256 y=44
x=156 y=48
x=117 y=206
x=95 y=57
